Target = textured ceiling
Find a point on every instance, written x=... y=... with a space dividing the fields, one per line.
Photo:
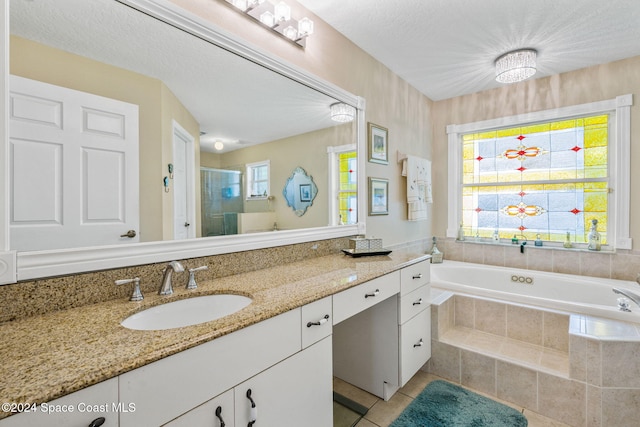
x=231 y=98
x=447 y=48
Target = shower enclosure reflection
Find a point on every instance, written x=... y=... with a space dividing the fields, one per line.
x=222 y=200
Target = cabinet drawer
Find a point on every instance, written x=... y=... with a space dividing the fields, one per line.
x=414 y=302
x=415 y=345
x=316 y=321
x=359 y=298
x=414 y=276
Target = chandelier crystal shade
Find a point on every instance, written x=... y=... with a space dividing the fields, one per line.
x=341 y=112
x=516 y=66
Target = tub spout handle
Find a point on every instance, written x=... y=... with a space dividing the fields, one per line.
x=627 y=293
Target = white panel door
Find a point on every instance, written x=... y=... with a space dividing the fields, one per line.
x=183 y=184
x=73 y=168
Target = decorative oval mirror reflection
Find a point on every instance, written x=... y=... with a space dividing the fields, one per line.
x=198 y=108
x=299 y=191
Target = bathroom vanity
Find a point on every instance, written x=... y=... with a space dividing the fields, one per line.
x=271 y=362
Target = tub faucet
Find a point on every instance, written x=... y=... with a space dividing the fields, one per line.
x=167 y=286
x=627 y=293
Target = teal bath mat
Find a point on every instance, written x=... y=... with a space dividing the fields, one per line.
x=442 y=404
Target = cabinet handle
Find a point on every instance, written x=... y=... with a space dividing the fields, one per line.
x=417 y=276
x=373 y=294
x=319 y=322
x=419 y=302
x=219 y=415
x=419 y=344
x=97 y=422
x=253 y=413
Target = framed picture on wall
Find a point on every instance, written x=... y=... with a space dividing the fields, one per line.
x=305 y=192
x=378 y=144
x=378 y=196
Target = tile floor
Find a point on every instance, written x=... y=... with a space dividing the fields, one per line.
x=382 y=413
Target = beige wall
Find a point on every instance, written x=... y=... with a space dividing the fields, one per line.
x=391 y=102
x=308 y=151
x=156 y=105
x=587 y=85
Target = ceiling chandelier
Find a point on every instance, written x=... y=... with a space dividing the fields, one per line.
x=516 y=66
x=341 y=112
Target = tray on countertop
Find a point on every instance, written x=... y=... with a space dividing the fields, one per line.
x=359 y=253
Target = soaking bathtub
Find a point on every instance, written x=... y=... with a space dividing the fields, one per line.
x=564 y=292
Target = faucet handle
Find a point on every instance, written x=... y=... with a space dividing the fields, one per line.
x=191 y=284
x=136 y=295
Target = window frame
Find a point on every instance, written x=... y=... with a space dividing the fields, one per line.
x=334 y=180
x=619 y=160
x=249 y=179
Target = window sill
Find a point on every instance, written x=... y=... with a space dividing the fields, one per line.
x=580 y=247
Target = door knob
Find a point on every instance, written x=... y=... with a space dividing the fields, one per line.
x=130 y=234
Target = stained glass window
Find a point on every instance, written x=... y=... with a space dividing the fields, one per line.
x=547 y=179
x=347 y=192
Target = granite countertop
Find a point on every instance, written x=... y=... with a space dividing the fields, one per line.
x=48 y=356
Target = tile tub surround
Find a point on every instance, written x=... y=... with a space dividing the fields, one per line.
x=53 y=354
x=579 y=370
x=622 y=264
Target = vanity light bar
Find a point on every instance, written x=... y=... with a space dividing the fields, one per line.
x=277 y=17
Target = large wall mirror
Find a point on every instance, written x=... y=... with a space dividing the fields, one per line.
x=177 y=115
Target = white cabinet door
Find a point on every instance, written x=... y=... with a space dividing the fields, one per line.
x=85 y=151
x=415 y=345
x=296 y=392
x=213 y=413
x=77 y=409
x=172 y=386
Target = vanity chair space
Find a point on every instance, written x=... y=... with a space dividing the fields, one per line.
x=382 y=330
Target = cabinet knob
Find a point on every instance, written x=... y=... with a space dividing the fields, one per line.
x=319 y=322
x=417 y=276
x=419 y=344
x=219 y=416
x=419 y=302
x=373 y=294
x=97 y=422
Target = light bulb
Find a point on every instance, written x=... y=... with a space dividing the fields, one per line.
x=268 y=19
x=240 y=4
x=218 y=145
x=305 y=27
x=290 y=33
x=282 y=11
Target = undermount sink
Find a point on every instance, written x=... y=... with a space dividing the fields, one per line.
x=186 y=312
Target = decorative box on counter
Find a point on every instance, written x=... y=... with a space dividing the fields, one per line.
x=375 y=244
x=360 y=246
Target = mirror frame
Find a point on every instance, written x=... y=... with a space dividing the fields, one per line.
x=16 y=266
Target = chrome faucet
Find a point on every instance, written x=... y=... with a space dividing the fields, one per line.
x=627 y=293
x=167 y=287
